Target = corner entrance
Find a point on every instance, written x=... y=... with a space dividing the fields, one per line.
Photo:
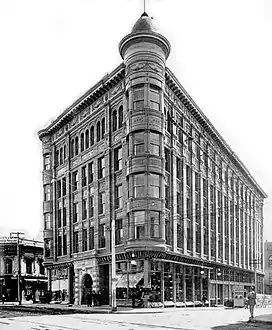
x=87 y=284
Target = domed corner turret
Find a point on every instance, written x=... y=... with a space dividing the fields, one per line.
x=144 y=31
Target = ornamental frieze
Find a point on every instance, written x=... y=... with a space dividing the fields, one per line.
x=84 y=113
x=74 y=121
x=60 y=132
x=145 y=66
x=98 y=103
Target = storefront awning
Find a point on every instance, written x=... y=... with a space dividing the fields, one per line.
x=35 y=279
x=131 y=279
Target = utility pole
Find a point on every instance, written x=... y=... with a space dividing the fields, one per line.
x=255 y=262
x=17 y=235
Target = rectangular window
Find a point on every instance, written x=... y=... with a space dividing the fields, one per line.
x=118 y=159
x=46 y=163
x=118 y=197
x=91 y=206
x=178 y=203
x=83 y=176
x=59 y=246
x=138 y=98
x=154 y=185
x=188 y=176
x=75 y=242
x=64 y=187
x=139 y=185
x=91 y=238
x=59 y=213
x=139 y=221
x=90 y=173
x=154 y=144
x=47 y=221
x=101 y=203
x=167 y=160
x=167 y=231
x=84 y=209
x=74 y=180
x=138 y=143
x=58 y=188
x=47 y=193
x=64 y=215
x=64 y=244
x=118 y=231
x=102 y=236
x=84 y=239
x=179 y=168
x=101 y=167
x=167 y=197
x=155 y=231
x=75 y=212
x=179 y=233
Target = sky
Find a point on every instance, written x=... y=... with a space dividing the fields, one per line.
x=52 y=51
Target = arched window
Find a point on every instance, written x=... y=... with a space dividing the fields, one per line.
x=72 y=148
x=114 y=121
x=98 y=132
x=76 y=146
x=270 y=262
x=82 y=142
x=92 y=136
x=61 y=156
x=87 y=139
x=103 y=128
x=120 y=116
x=8 y=266
x=57 y=158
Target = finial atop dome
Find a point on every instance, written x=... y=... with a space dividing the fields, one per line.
x=144 y=24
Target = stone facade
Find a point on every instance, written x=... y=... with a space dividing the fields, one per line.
x=268 y=267
x=136 y=150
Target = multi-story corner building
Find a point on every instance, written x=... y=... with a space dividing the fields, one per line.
x=268 y=267
x=136 y=149
x=33 y=280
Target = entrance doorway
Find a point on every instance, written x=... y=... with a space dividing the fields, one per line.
x=87 y=285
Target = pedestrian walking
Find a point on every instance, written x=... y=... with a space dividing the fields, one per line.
x=204 y=300
x=252 y=302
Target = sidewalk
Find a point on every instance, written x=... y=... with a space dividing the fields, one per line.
x=264 y=318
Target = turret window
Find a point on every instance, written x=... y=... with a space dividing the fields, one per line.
x=154 y=99
x=139 y=185
x=138 y=143
x=154 y=143
x=154 y=185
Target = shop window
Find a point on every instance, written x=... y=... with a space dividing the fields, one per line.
x=28 y=263
x=102 y=236
x=139 y=185
x=138 y=143
x=154 y=143
x=118 y=231
x=8 y=266
x=41 y=268
x=118 y=159
x=101 y=167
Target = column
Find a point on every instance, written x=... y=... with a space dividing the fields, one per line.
x=193 y=216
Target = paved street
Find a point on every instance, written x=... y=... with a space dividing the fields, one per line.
x=199 y=319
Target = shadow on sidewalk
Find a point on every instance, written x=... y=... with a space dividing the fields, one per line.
x=244 y=326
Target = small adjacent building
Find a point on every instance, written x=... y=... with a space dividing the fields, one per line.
x=268 y=267
x=33 y=280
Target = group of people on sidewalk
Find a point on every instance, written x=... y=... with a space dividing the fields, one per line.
x=93 y=298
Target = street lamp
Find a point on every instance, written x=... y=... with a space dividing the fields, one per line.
x=217 y=273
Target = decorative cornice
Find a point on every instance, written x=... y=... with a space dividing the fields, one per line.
x=173 y=83
x=104 y=85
